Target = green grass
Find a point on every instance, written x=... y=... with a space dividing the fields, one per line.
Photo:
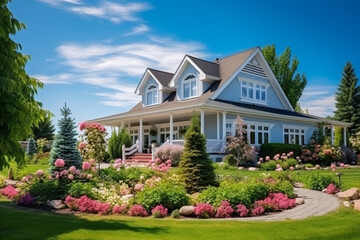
x=24 y=224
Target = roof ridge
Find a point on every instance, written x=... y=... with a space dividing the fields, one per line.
x=238 y=52
x=159 y=70
x=200 y=59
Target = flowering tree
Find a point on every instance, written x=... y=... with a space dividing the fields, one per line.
x=93 y=141
x=237 y=145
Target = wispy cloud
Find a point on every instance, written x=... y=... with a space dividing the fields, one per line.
x=319 y=100
x=117 y=68
x=142 y=28
x=111 y=11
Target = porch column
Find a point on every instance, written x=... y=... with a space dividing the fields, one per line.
x=224 y=128
x=129 y=127
x=324 y=133
x=140 y=136
x=345 y=137
x=171 y=128
x=217 y=126
x=122 y=125
x=202 y=121
x=332 y=135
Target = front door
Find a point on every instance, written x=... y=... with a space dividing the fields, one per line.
x=146 y=143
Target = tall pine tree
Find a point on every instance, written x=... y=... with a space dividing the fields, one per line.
x=64 y=145
x=196 y=167
x=45 y=129
x=348 y=99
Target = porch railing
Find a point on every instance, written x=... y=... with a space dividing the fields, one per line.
x=130 y=150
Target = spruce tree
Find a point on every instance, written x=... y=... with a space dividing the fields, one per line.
x=64 y=145
x=348 y=99
x=31 y=147
x=45 y=129
x=196 y=167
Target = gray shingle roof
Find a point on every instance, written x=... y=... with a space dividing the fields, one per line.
x=209 y=68
x=161 y=76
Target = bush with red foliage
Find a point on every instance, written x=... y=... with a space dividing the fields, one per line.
x=204 y=210
x=225 y=210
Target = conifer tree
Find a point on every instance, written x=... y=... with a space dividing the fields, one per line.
x=45 y=129
x=31 y=147
x=196 y=167
x=348 y=99
x=64 y=145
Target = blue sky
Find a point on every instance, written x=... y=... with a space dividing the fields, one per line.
x=92 y=54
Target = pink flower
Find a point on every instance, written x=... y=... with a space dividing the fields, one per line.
x=77 y=172
x=64 y=173
x=71 y=177
x=158 y=161
x=292 y=168
x=332 y=189
x=9 y=191
x=161 y=210
x=119 y=209
x=92 y=161
x=39 y=173
x=24 y=179
x=225 y=210
x=204 y=210
x=57 y=176
x=72 y=169
x=333 y=166
x=82 y=145
x=278 y=166
x=137 y=211
x=342 y=165
x=86 y=165
x=279 y=169
x=89 y=176
x=168 y=162
x=59 y=163
x=139 y=187
x=241 y=210
x=267 y=158
x=83 y=125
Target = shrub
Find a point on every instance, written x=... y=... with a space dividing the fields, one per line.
x=225 y=210
x=318 y=182
x=159 y=211
x=284 y=187
x=48 y=190
x=230 y=160
x=204 y=210
x=257 y=211
x=119 y=209
x=129 y=176
x=71 y=203
x=86 y=204
x=31 y=147
x=2 y=181
x=309 y=165
x=241 y=210
x=332 y=189
x=165 y=193
x=9 y=191
x=275 y=202
x=77 y=189
x=26 y=200
x=116 y=141
x=271 y=149
x=268 y=166
x=291 y=162
x=137 y=211
x=171 y=152
x=175 y=213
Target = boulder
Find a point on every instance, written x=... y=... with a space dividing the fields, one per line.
x=299 y=201
x=357 y=205
x=241 y=168
x=10 y=182
x=56 y=204
x=346 y=203
x=127 y=197
x=317 y=166
x=187 y=211
x=298 y=185
x=253 y=169
x=352 y=194
x=348 y=156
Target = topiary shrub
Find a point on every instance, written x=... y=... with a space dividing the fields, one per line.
x=167 y=194
x=271 y=149
x=195 y=166
x=171 y=152
x=230 y=160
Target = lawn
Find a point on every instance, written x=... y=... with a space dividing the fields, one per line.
x=24 y=224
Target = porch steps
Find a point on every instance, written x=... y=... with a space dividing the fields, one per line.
x=142 y=158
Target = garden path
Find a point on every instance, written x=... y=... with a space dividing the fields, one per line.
x=316 y=204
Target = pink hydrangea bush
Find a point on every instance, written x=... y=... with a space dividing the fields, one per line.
x=86 y=204
x=118 y=163
x=332 y=189
x=276 y=202
x=257 y=211
x=224 y=210
x=139 y=187
x=86 y=166
x=71 y=203
x=170 y=151
x=159 y=211
x=26 y=200
x=137 y=211
x=204 y=210
x=59 y=163
x=241 y=210
x=40 y=173
x=9 y=191
x=119 y=209
x=160 y=166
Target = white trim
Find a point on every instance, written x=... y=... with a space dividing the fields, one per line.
x=180 y=67
x=147 y=91
x=295 y=127
x=189 y=81
x=144 y=80
x=254 y=82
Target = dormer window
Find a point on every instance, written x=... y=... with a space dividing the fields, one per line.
x=151 y=95
x=253 y=91
x=189 y=86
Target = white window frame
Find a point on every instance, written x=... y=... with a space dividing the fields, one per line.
x=252 y=87
x=152 y=89
x=192 y=83
x=291 y=131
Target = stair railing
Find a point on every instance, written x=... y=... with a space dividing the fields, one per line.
x=130 y=150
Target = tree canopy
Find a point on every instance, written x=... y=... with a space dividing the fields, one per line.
x=45 y=129
x=284 y=69
x=19 y=110
x=347 y=99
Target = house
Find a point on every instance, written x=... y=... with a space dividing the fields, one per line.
x=241 y=84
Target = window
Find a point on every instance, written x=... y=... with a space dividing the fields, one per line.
x=253 y=91
x=229 y=130
x=151 y=95
x=256 y=133
x=294 y=135
x=189 y=86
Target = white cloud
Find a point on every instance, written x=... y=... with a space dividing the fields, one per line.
x=111 y=11
x=142 y=28
x=319 y=100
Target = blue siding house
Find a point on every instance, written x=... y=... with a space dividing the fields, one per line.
x=241 y=84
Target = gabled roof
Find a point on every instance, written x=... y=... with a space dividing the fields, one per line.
x=209 y=68
x=161 y=76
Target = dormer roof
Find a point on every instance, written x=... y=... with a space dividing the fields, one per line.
x=161 y=77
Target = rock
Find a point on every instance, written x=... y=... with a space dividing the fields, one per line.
x=352 y=194
x=299 y=201
x=253 y=169
x=187 y=211
x=357 y=205
x=241 y=168
x=346 y=203
x=324 y=190
x=317 y=166
x=56 y=204
x=10 y=182
x=127 y=197
x=298 y=185
x=300 y=167
x=348 y=156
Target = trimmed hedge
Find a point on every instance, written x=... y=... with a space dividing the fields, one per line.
x=271 y=149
